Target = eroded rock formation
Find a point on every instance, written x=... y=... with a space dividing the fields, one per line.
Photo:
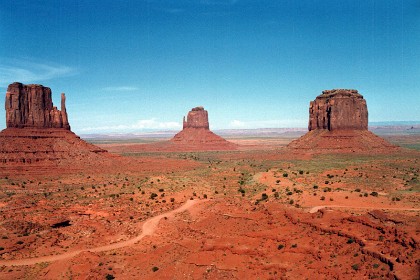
x=196 y=134
x=196 y=118
x=32 y=106
x=338 y=109
x=37 y=132
x=338 y=122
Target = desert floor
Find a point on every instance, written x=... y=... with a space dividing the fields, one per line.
x=259 y=212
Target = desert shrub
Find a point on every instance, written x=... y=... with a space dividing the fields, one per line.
x=277 y=181
x=109 y=277
x=19 y=242
x=350 y=241
x=281 y=246
x=276 y=195
x=357 y=190
x=315 y=187
x=291 y=201
x=300 y=172
x=241 y=190
x=153 y=195
x=264 y=196
x=294 y=245
x=285 y=175
x=365 y=194
x=155 y=268
x=172 y=199
x=161 y=190
x=1 y=248
x=322 y=198
x=205 y=196
x=374 y=194
x=289 y=193
x=355 y=266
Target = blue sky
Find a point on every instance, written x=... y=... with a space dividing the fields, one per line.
x=129 y=65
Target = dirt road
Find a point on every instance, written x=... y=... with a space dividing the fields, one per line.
x=148 y=228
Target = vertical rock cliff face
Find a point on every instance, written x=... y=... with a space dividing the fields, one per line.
x=338 y=109
x=31 y=106
x=197 y=118
x=338 y=123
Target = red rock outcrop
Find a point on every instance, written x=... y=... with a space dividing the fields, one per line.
x=37 y=132
x=338 y=109
x=196 y=134
x=32 y=106
x=196 y=118
x=338 y=122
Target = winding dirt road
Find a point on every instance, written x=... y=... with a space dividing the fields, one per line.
x=316 y=208
x=148 y=228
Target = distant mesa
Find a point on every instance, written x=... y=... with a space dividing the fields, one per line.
x=197 y=135
x=37 y=131
x=338 y=122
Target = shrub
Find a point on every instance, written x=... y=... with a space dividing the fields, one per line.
x=315 y=187
x=355 y=266
x=281 y=246
x=300 y=172
x=153 y=195
x=205 y=196
x=350 y=240
x=322 y=198
x=357 y=190
x=294 y=245
x=285 y=175
x=291 y=201
x=374 y=194
x=109 y=277
x=264 y=196
x=161 y=190
x=155 y=268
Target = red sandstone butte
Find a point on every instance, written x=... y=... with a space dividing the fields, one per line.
x=37 y=131
x=197 y=135
x=31 y=106
x=338 y=109
x=338 y=121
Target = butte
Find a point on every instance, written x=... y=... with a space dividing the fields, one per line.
x=195 y=136
x=38 y=134
x=338 y=122
x=196 y=133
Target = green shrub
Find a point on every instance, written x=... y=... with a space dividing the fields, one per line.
x=155 y=268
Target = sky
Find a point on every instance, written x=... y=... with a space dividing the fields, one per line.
x=136 y=65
